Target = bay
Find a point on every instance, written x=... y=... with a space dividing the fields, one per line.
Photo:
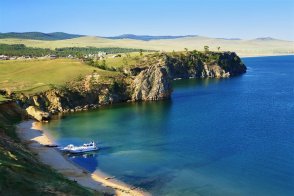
x=214 y=137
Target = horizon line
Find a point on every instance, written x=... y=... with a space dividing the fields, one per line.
x=161 y=35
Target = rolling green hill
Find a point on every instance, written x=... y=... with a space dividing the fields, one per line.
x=39 y=35
x=30 y=76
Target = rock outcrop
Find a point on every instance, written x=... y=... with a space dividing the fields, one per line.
x=37 y=113
x=201 y=65
x=152 y=84
x=70 y=100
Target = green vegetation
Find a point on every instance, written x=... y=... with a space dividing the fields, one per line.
x=206 y=49
x=118 y=63
x=32 y=76
x=20 y=171
x=22 y=50
x=3 y=99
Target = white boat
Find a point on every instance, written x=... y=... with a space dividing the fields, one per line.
x=80 y=149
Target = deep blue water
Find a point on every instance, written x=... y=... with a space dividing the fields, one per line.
x=214 y=137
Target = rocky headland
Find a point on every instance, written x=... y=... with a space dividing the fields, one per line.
x=148 y=80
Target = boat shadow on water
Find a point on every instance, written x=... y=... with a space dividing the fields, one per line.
x=87 y=160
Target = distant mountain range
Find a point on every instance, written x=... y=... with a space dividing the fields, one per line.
x=39 y=35
x=229 y=38
x=148 y=37
x=265 y=38
x=63 y=36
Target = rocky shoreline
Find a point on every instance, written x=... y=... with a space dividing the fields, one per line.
x=150 y=80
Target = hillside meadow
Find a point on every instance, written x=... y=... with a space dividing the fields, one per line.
x=3 y=99
x=30 y=76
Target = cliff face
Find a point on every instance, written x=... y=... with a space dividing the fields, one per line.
x=81 y=96
x=202 y=65
x=149 y=80
x=152 y=83
x=231 y=63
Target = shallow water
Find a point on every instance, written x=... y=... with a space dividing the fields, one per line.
x=214 y=137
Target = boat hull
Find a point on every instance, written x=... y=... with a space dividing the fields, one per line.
x=80 y=151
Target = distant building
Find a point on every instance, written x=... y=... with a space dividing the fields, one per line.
x=53 y=56
x=4 y=57
x=101 y=54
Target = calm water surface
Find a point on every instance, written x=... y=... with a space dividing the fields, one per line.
x=214 y=137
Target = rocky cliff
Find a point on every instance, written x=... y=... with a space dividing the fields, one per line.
x=148 y=80
x=152 y=83
x=204 y=65
x=75 y=96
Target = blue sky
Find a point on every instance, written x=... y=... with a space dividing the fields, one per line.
x=214 y=18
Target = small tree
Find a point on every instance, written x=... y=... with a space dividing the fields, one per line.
x=141 y=52
x=174 y=53
x=104 y=63
x=79 y=55
x=186 y=49
x=206 y=49
x=218 y=48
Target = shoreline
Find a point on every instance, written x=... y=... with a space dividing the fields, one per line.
x=32 y=134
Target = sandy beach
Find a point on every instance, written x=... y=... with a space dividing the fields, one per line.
x=31 y=133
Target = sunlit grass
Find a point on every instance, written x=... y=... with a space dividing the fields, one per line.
x=30 y=76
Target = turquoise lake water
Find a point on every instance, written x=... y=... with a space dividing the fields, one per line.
x=214 y=137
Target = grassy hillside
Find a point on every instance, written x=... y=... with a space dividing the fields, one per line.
x=242 y=47
x=125 y=61
x=39 y=35
x=3 y=99
x=20 y=171
x=37 y=75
